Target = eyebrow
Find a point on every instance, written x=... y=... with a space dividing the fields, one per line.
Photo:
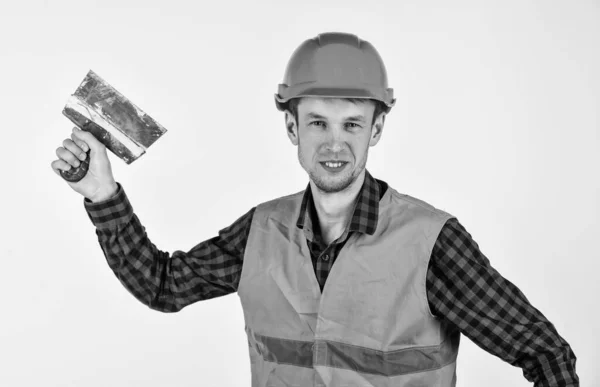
x=359 y=118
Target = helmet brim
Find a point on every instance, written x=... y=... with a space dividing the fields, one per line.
x=298 y=91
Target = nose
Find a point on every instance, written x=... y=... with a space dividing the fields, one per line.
x=334 y=147
x=334 y=142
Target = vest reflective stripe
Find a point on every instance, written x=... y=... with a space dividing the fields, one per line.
x=283 y=351
x=365 y=360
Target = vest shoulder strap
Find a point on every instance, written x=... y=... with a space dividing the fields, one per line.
x=284 y=209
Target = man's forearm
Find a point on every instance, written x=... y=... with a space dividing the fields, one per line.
x=160 y=281
x=466 y=290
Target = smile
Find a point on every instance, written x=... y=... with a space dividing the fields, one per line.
x=333 y=166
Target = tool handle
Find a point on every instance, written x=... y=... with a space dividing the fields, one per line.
x=73 y=175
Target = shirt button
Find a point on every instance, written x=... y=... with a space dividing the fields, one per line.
x=326 y=257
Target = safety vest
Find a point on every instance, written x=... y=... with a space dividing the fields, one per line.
x=371 y=326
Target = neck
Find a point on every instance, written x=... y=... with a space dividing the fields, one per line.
x=335 y=209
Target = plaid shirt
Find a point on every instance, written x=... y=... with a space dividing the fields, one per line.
x=462 y=287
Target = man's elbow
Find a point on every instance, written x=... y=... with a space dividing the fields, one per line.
x=165 y=304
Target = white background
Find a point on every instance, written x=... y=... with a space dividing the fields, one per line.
x=496 y=121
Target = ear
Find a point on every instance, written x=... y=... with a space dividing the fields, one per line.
x=377 y=130
x=292 y=127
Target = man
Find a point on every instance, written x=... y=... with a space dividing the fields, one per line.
x=349 y=282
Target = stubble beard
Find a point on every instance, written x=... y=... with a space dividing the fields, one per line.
x=332 y=184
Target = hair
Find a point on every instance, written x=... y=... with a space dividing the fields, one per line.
x=380 y=107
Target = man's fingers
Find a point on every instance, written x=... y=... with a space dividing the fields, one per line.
x=87 y=138
x=74 y=148
x=60 y=165
x=67 y=156
x=80 y=143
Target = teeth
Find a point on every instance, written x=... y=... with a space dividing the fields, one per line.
x=333 y=165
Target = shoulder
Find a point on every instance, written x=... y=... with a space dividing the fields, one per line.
x=283 y=209
x=283 y=201
x=405 y=202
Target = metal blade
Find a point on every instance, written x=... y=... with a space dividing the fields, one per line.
x=121 y=126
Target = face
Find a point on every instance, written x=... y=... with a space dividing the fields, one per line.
x=333 y=138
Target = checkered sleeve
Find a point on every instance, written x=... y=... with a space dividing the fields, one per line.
x=464 y=289
x=167 y=282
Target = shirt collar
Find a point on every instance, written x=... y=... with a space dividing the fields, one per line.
x=366 y=208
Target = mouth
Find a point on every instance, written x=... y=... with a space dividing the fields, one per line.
x=333 y=166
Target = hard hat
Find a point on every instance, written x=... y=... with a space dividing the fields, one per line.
x=335 y=64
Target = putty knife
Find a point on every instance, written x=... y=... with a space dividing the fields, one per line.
x=116 y=122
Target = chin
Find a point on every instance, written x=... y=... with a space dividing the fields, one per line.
x=331 y=184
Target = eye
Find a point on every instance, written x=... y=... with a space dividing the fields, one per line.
x=317 y=123
x=353 y=125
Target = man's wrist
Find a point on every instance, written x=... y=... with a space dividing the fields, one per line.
x=105 y=194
